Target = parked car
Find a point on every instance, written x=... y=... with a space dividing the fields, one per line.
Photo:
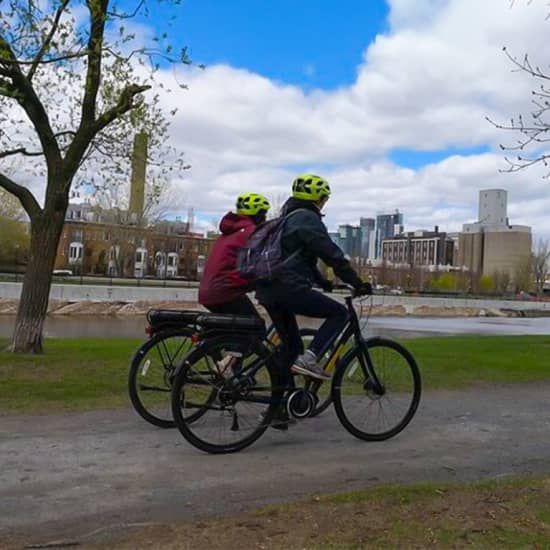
x=62 y=272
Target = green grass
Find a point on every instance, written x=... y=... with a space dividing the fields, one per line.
x=73 y=374
x=504 y=514
x=464 y=361
x=81 y=374
x=510 y=513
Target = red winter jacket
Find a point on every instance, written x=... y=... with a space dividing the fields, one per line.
x=221 y=282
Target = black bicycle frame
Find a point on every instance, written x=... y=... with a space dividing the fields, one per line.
x=351 y=328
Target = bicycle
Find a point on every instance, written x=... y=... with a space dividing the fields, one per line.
x=154 y=363
x=248 y=400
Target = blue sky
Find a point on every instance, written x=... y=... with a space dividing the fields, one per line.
x=311 y=43
x=387 y=99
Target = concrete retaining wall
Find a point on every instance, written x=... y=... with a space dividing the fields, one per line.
x=98 y=293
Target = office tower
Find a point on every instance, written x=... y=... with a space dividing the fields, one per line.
x=387 y=226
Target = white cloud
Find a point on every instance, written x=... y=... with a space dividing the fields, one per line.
x=426 y=84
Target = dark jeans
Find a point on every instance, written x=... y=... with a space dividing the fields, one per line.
x=310 y=303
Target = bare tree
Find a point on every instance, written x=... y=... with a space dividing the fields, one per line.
x=161 y=197
x=502 y=279
x=541 y=257
x=523 y=274
x=72 y=92
x=533 y=131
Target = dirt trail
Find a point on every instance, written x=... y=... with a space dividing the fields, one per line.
x=65 y=476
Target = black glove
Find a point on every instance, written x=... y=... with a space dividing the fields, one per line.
x=364 y=290
x=326 y=285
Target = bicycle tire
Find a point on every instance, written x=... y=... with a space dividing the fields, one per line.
x=358 y=385
x=136 y=365
x=190 y=374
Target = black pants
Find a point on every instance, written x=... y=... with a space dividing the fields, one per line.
x=310 y=303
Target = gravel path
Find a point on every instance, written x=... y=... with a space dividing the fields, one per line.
x=64 y=476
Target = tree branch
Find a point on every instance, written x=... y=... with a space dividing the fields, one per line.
x=26 y=198
x=85 y=135
x=65 y=57
x=526 y=65
x=125 y=103
x=20 y=151
x=120 y=15
x=20 y=88
x=97 y=9
x=10 y=60
x=48 y=40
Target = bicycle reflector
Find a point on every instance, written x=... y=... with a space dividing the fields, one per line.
x=149 y=330
x=195 y=338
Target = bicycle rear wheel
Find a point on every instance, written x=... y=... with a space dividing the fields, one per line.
x=151 y=372
x=234 y=388
x=371 y=415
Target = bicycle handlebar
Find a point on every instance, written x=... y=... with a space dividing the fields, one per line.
x=356 y=293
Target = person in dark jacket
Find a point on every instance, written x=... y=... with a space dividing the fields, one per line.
x=221 y=289
x=304 y=240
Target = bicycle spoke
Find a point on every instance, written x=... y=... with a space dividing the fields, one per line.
x=378 y=415
x=236 y=411
x=150 y=376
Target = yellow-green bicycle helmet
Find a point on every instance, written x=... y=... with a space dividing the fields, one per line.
x=250 y=204
x=310 y=187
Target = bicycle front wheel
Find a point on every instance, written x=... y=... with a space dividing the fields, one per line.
x=370 y=413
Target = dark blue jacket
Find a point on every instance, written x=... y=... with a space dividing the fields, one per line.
x=305 y=231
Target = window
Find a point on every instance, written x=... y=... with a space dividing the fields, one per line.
x=139 y=257
x=75 y=252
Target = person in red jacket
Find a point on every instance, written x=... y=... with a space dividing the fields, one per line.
x=222 y=289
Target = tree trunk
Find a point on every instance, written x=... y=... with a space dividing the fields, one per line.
x=33 y=302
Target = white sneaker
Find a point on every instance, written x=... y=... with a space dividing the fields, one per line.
x=306 y=364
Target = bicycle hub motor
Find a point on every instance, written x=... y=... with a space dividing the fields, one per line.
x=300 y=403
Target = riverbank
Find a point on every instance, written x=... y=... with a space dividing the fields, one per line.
x=424 y=308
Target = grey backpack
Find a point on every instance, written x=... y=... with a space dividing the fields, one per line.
x=263 y=259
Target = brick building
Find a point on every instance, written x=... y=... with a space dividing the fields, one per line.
x=129 y=251
x=419 y=248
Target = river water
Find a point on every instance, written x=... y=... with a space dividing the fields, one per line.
x=396 y=327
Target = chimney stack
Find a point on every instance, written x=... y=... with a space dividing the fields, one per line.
x=137 y=185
